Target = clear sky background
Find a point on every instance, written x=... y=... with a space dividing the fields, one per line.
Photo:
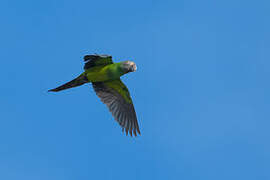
x=201 y=91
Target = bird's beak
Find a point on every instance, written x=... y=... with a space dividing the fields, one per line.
x=133 y=67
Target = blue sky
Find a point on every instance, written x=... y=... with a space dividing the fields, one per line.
x=201 y=91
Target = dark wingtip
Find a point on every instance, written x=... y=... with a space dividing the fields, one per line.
x=139 y=133
x=89 y=57
x=135 y=132
x=126 y=131
x=86 y=57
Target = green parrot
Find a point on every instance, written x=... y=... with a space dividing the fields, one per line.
x=105 y=78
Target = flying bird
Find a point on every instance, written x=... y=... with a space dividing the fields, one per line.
x=105 y=75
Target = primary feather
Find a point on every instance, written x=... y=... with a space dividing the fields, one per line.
x=116 y=96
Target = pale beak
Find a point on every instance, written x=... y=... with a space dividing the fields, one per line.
x=134 y=67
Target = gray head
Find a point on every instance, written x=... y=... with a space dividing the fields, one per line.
x=128 y=66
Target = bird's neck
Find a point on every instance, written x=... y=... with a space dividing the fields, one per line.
x=115 y=70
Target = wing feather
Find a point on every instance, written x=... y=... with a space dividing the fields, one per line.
x=96 y=60
x=117 y=98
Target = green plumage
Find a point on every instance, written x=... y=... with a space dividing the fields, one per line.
x=104 y=72
x=105 y=77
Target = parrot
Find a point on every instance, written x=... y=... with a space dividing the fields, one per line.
x=105 y=75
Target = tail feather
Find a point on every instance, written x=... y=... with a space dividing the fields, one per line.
x=74 y=83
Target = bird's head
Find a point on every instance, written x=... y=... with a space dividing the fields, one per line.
x=128 y=66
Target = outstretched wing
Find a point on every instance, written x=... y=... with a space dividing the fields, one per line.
x=117 y=98
x=96 y=60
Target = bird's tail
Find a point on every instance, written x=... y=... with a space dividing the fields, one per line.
x=80 y=80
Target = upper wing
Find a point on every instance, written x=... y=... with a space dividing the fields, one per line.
x=96 y=60
x=117 y=98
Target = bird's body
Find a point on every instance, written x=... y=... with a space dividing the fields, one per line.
x=105 y=78
x=104 y=73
